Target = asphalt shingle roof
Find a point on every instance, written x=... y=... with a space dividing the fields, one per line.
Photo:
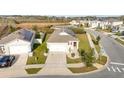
x=23 y=34
x=57 y=38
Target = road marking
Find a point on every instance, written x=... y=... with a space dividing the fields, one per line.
x=118 y=70
x=113 y=69
x=108 y=69
x=117 y=63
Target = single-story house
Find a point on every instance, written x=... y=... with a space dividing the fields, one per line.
x=62 y=40
x=18 y=42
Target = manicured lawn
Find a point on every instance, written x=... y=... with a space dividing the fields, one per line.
x=120 y=41
x=32 y=70
x=96 y=46
x=82 y=69
x=38 y=53
x=102 y=60
x=73 y=61
x=84 y=43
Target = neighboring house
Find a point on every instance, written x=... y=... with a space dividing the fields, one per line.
x=119 y=29
x=74 y=22
x=62 y=40
x=18 y=42
x=98 y=24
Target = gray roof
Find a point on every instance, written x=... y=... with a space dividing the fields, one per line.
x=22 y=34
x=57 y=38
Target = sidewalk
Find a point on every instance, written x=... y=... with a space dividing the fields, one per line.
x=92 y=45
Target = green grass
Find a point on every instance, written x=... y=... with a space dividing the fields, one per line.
x=84 y=43
x=102 y=60
x=120 y=41
x=38 y=54
x=73 y=61
x=82 y=69
x=96 y=45
x=104 y=30
x=32 y=70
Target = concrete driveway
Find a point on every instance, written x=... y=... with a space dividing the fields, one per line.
x=55 y=64
x=17 y=69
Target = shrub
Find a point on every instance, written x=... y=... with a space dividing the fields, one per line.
x=47 y=50
x=73 y=54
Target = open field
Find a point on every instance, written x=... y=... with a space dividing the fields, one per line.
x=30 y=25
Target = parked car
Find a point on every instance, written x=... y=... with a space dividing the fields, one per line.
x=6 y=60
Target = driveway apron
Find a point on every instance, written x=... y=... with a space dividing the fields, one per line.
x=55 y=64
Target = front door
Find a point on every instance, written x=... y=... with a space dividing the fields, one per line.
x=75 y=44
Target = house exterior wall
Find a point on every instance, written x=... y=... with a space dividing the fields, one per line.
x=62 y=47
x=17 y=47
x=117 y=23
x=57 y=47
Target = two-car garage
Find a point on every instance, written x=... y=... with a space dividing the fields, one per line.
x=19 y=49
x=57 y=47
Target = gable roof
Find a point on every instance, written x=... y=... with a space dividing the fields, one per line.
x=57 y=38
x=22 y=34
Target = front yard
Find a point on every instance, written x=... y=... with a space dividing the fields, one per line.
x=102 y=60
x=32 y=70
x=83 y=44
x=38 y=53
x=82 y=69
x=73 y=61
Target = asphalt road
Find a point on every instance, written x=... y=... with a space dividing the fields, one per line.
x=115 y=68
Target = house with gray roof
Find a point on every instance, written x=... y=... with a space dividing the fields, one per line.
x=18 y=42
x=62 y=40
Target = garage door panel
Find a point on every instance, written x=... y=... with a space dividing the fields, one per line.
x=58 y=47
x=18 y=49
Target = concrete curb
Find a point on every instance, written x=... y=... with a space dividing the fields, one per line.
x=76 y=74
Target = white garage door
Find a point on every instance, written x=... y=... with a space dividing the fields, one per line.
x=58 y=47
x=19 y=49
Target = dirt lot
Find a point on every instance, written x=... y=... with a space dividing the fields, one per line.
x=30 y=25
